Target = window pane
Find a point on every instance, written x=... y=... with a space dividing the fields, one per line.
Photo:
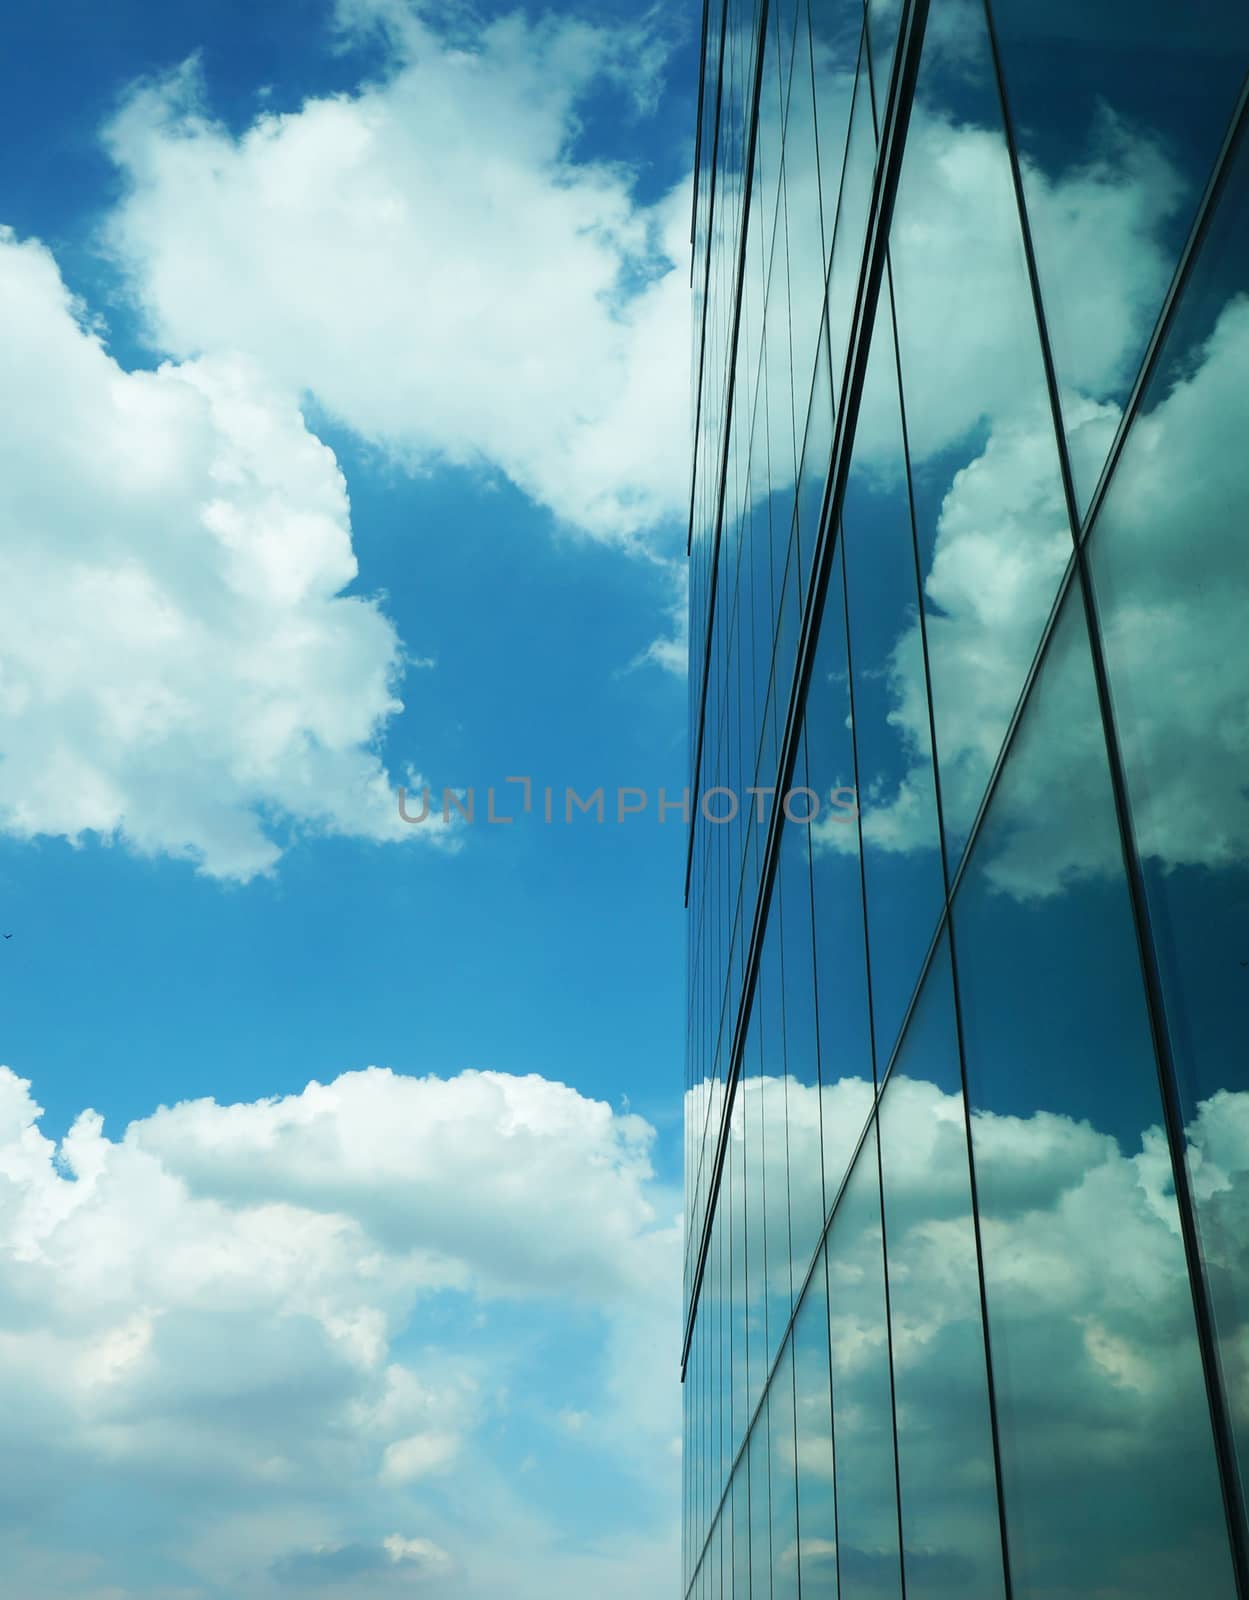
x=850 y=229
x=813 y=1403
x=846 y=1090
x=802 y=1104
x=768 y=141
x=778 y=374
x=1107 y=1460
x=817 y=450
x=836 y=26
x=1119 y=110
x=741 y=1530
x=735 y=1160
x=760 y=1511
x=802 y=219
x=764 y=602
x=1170 y=572
x=753 y=1117
x=901 y=842
x=991 y=523
x=725 y=1543
x=867 y=1504
x=952 y=1543
x=883 y=18
x=784 y=1489
x=769 y=1004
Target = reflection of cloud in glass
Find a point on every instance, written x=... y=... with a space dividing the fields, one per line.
x=1171 y=623
x=956 y=174
x=1087 y=1290
x=1085 y=1271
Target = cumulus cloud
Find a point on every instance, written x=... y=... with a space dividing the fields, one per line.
x=183 y=670
x=220 y=1324
x=434 y=260
x=180 y=668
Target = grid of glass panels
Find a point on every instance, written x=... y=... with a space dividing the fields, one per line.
x=967 y=1086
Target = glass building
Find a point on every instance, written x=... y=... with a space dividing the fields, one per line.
x=967 y=1087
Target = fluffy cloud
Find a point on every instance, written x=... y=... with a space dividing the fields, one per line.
x=180 y=667
x=225 y=1324
x=433 y=260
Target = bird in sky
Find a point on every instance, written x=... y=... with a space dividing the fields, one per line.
x=9 y=936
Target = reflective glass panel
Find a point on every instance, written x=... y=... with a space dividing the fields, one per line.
x=883 y=19
x=867 y=1504
x=952 y=1543
x=813 y=1410
x=769 y=1004
x=991 y=523
x=1119 y=110
x=836 y=26
x=1171 y=575
x=784 y=1483
x=802 y=219
x=735 y=1162
x=1107 y=1458
x=897 y=797
x=817 y=450
x=750 y=1087
x=760 y=1510
x=849 y=229
x=792 y=893
x=741 y=1529
x=846 y=1085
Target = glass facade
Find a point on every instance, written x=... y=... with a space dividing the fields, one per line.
x=967 y=1060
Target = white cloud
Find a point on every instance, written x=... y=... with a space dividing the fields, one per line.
x=182 y=671
x=670 y=650
x=180 y=668
x=231 y=1317
x=433 y=260
x=418 y=1455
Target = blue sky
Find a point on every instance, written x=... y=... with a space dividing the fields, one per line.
x=448 y=1354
